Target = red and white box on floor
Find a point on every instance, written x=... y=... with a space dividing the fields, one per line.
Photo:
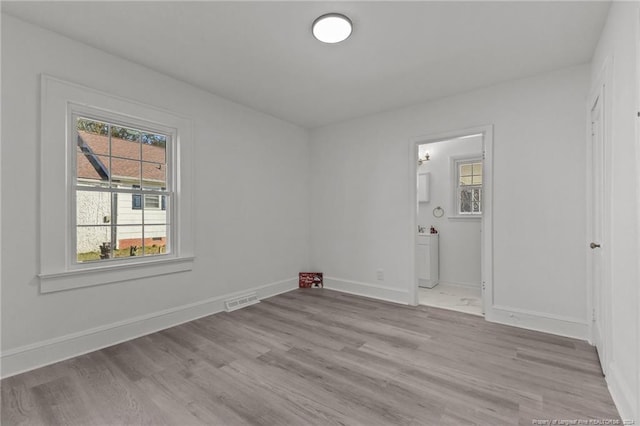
x=310 y=280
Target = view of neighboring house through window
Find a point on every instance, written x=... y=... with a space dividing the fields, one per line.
x=122 y=191
x=469 y=187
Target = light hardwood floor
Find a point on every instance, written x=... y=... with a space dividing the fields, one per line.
x=320 y=357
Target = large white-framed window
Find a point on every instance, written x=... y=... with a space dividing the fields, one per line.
x=121 y=185
x=115 y=189
x=467 y=184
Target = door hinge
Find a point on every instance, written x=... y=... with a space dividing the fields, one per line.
x=593 y=314
x=483 y=154
x=483 y=285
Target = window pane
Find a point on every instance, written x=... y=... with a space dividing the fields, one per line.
x=125 y=173
x=93 y=243
x=477 y=180
x=156 y=215
x=466 y=180
x=93 y=208
x=477 y=200
x=91 y=126
x=125 y=143
x=154 y=176
x=155 y=239
x=477 y=169
x=466 y=170
x=91 y=169
x=92 y=135
x=465 y=201
x=154 y=148
x=128 y=241
x=127 y=209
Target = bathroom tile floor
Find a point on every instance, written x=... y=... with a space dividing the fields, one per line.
x=452 y=297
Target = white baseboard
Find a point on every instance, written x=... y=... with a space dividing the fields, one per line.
x=374 y=291
x=39 y=354
x=621 y=392
x=539 y=321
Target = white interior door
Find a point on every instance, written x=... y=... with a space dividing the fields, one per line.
x=597 y=213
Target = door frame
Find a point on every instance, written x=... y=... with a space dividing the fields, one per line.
x=638 y=182
x=486 y=250
x=601 y=90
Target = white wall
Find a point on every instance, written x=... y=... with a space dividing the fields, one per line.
x=251 y=204
x=618 y=42
x=360 y=184
x=459 y=240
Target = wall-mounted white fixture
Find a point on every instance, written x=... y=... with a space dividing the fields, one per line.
x=423 y=160
x=332 y=28
x=423 y=187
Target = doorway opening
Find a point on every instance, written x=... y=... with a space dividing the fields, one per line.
x=451 y=211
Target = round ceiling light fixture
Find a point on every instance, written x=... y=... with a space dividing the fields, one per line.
x=332 y=28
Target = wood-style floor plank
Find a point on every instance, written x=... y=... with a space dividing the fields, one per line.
x=320 y=357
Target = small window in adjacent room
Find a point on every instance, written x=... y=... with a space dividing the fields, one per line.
x=468 y=194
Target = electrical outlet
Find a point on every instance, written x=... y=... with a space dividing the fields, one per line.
x=380 y=274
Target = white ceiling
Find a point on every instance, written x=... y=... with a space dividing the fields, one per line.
x=262 y=54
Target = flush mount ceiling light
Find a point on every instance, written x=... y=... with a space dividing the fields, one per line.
x=332 y=28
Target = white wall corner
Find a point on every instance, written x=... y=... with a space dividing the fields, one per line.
x=622 y=393
x=25 y=358
x=539 y=321
x=373 y=291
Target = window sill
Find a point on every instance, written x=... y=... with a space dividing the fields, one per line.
x=478 y=217
x=88 y=277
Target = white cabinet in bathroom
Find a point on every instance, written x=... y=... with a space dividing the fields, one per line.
x=427 y=260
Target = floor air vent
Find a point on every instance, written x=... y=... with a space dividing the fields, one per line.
x=241 y=302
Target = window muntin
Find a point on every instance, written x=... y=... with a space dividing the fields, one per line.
x=469 y=187
x=121 y=191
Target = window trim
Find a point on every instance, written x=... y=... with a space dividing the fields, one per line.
x=454 y=193
x=59 y=101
